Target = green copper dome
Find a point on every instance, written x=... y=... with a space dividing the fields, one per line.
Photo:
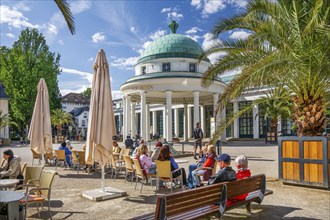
x=171 y=46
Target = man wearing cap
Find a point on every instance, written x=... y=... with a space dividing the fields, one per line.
x=198 y=135
x=226 y=173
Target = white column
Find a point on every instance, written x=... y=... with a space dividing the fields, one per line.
x=196 y=107
x=128 y=115
x=279 y=125
x=154 y=122
x=133 y=120
x=185 y=122
x=143 y=114
x=255 y=121
x=176 y=122
x=164 y=122
x=124 y=130
x=148 y=123
x=223 y=118
x=203 y=119
x=236 y=121
x=169 y=115
x=119 y=124
x=190 y=128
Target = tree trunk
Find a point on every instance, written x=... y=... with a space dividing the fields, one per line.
x=273 y=124
x=309 y=116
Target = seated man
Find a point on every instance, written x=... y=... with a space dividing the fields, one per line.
x=67 y=153
x=226 y=173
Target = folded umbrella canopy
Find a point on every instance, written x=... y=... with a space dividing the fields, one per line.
x=101 y=124
x=40 y=134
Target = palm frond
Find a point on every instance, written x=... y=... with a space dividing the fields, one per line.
x=67 y=14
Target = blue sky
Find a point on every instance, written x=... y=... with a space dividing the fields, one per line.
x=122 y=28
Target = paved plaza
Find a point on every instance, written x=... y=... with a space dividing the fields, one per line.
x=287 y=202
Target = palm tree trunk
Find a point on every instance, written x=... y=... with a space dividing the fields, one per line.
x=309 y=116
x=273 y=124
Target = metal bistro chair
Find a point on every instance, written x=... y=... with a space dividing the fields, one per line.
x=117 y=166
x=129 y=167
x=40 y=193
x=78 y=159
x=140 y=175
x=164 y=173
x=36 y=156
x=31 y=175
x=60 y=157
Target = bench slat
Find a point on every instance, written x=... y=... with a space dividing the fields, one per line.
x=197 y=213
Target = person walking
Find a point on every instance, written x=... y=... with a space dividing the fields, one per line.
x=198 y=135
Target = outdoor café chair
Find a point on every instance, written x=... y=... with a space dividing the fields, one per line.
x=164 y=173
x=31 y=175
x=36 y=156
x=40 y=192
x=129 y=167
x=116 y=166
x=60 y=157
x=140 y=175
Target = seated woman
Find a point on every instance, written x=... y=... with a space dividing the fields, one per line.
x=145 y=161
x=194 y=166
x=165 y=154
x=12 y=170
x=115 y=147
x=156 y=151
x=242 y=172
x=67 y=153
x=205 y=169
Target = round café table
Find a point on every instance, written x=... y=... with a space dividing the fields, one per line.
x=11 y=199
x=6 y=183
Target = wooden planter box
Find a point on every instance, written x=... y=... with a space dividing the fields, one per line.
x=304 y=161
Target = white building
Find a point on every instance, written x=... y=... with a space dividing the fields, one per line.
x=165 y=96
x=74 y=100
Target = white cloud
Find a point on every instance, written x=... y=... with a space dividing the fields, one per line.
x=116 y=94
x=133 y=29
x=213 y=6
x=84 y=75
x=52 y=29
x=98 y=37
x=165 y=10
x=215 y=56
x=174 y=16
x=208 y=40
x=10 y=35
x=125 y=63
x=192 y=33
x=14 y=18
x=21 y=6
x=242 y=35
x=61 y=42
x=80 y=6
x=157 y=34
x=91 y=59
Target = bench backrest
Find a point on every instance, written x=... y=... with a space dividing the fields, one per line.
x=247 y=185
x=172 y=204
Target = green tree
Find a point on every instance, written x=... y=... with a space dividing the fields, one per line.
x=87 y=92
x=5 y=120
x=59 y=118
x=64 y=7
x=22 y=66
x=289 y=46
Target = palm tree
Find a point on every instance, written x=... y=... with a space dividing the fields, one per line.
x=289 y=46
x=59 y=118
x=66 y=12
x=5 y=120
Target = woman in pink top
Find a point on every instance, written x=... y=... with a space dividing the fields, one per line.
x=145 y=161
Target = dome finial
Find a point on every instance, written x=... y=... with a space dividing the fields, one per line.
x=173 y=26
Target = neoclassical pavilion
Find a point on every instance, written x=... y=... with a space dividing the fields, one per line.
x=165 y=94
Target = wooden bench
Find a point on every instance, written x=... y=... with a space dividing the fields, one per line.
x=188 y=204
x=203 y=201
x=254 y=186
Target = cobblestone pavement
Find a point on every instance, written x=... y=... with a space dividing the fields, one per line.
x=287 y=202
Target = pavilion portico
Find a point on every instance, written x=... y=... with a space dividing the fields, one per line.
x=166 y=91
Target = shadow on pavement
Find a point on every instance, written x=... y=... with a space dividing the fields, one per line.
x=264 y=212
x=141 y=199
x=63 y=215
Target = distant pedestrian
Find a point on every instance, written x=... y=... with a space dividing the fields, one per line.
x=198 y=135
x=129 y=142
